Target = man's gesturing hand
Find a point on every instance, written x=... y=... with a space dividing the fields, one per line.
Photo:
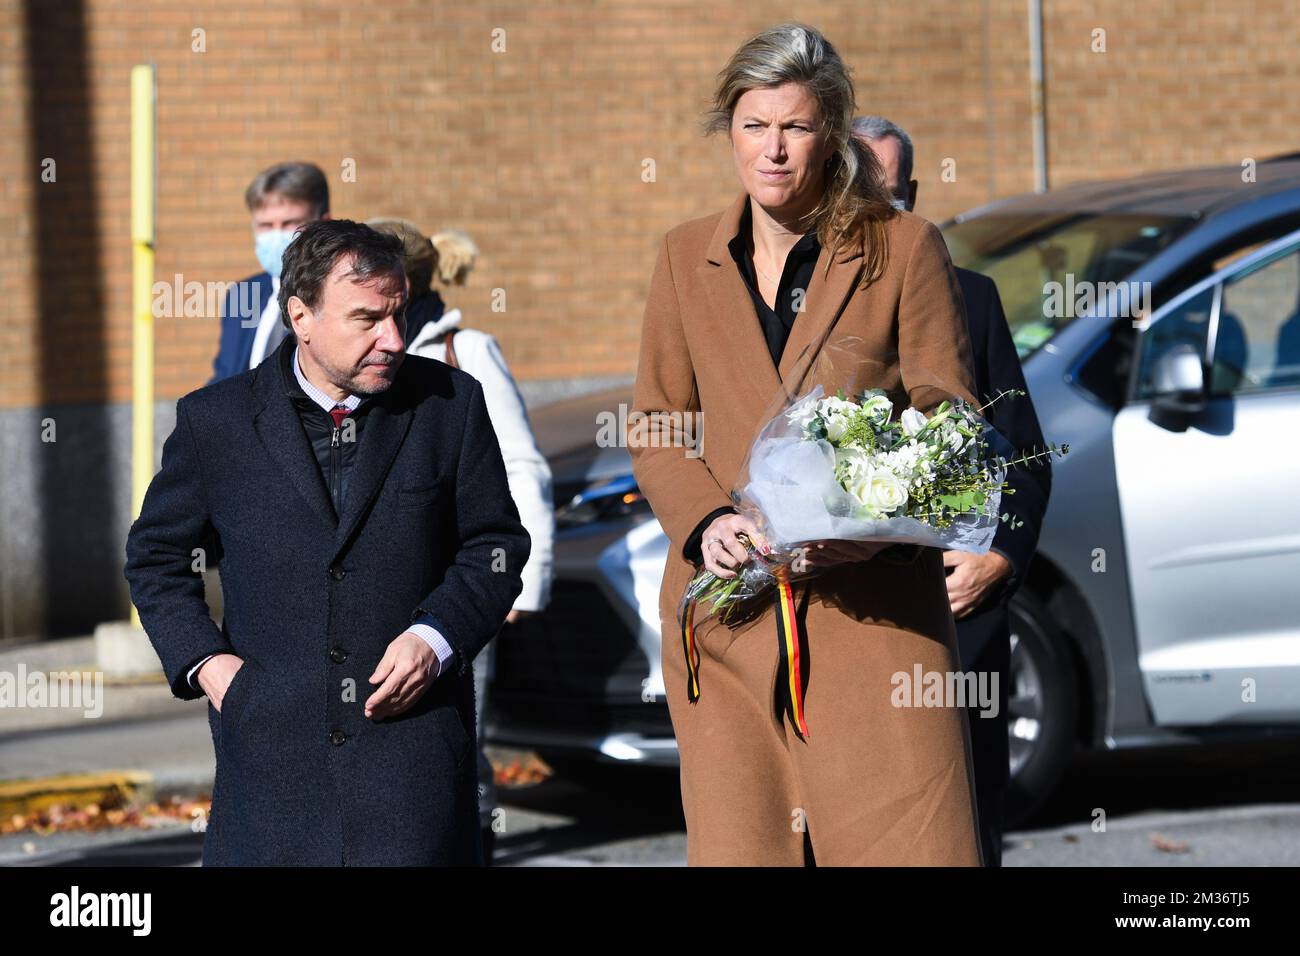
x=408 y=667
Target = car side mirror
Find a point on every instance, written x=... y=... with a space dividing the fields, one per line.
x=1178 y=381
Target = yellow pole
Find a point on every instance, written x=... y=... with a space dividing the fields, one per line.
x=143 y=98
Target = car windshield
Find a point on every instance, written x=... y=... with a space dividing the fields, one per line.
x=1024 y=254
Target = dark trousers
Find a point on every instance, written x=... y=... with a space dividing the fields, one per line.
x=984 y=642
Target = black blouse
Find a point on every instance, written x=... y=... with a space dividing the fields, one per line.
x=776 y=324
x=790 y=291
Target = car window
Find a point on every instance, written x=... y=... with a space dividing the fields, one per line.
x=1228 y=249
x=1042 y=261
x=1188 y=324
x=1106 y=368
x=1239 y=253
x=1257 y=343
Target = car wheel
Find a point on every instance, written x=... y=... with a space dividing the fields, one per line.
x=1042 y=709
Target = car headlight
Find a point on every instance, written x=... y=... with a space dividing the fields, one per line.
x=615 y=497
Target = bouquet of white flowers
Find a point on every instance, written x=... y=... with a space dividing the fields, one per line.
x=840 y=468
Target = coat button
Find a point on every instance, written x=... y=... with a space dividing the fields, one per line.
x=337 y=573
x=338 y=655
x=337 y=737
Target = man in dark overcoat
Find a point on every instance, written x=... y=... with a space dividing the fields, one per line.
x=980 y=586
x=356 y=502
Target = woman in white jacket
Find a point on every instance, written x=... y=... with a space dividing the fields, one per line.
x=434 y=333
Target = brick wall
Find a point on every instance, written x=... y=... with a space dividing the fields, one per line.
x=537 y=151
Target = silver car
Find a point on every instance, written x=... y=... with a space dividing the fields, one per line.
x=1158 y=321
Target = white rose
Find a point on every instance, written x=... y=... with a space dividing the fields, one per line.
x=879 y=490
x=836 y=426
x=859 y=486
x=887 y=492
x=878 y=409
x=852 y=462
x=837 y=414
x=836 y=406
x=912 y=421
x=831 y=411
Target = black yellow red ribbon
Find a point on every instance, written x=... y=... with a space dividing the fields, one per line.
x=692 y=654
x=787 y=636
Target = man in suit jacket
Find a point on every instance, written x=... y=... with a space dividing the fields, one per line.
x=369 y=546
x=280 y=200
x=980 y=585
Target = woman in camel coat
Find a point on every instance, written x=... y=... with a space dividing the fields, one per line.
x=812 y=264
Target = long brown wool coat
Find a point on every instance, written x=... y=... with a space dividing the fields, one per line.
x=873 y=783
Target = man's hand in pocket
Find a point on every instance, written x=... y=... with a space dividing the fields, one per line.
x=216 y=674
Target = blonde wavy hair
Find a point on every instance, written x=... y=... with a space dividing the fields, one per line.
x=855 y=204
x=456 y=256
x=419 y=258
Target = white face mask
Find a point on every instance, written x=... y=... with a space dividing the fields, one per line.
x=270 y=246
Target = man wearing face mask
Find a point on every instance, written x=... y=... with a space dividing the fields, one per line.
x=281 y=200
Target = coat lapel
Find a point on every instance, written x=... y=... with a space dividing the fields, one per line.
x=282 y=435
x=278 y=428
x=732 y=318
x=385 y=430
x=828 y=294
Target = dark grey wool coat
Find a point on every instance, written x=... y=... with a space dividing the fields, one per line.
x=311 y=602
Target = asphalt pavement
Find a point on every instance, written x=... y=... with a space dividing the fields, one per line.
x=1237 y=805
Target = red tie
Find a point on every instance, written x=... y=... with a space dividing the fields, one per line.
x=338 y=413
